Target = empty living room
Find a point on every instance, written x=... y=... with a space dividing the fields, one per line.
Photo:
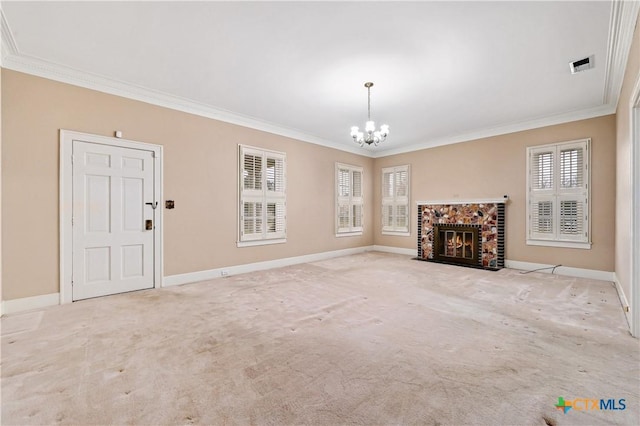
x=320 y=212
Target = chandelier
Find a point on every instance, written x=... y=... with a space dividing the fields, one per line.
x=370 y=135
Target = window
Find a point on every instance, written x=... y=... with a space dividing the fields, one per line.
x=558 y=195
x=395 y=200
x=349 y=202
x=262 y=197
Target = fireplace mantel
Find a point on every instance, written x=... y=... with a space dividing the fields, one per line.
x=465 y=201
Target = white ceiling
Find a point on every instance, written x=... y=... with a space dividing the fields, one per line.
x=443 y=72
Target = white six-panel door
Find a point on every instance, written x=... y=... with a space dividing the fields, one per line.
x=113 y=247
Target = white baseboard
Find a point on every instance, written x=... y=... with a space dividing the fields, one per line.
x=562 y=270
x=623 y=300
x=192 y=277
x=46 y=300
x=30 y=303
x=210 y=274
x=397 y=250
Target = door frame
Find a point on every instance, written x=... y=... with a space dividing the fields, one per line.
x=66 y=204
x=635 y=208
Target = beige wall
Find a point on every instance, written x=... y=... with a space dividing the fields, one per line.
x=624 y=175
x=495 y=166
x=200 y=174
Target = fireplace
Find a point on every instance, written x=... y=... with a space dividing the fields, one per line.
x=457 y=244
x=466 y=233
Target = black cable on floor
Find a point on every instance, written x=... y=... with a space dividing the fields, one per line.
x=542 y=269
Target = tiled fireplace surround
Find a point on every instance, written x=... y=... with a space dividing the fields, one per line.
x=489 y=217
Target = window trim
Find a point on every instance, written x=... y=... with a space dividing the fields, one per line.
x=264 y=238
x=351 y=231
x=559 y=243
x=556 y=195
x=394 y=202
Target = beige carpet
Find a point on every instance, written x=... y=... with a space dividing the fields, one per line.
x=365 y=339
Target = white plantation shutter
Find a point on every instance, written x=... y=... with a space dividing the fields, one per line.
x=344 y=199
x=387 y=183
x=558 y=193
x=344 y=182
x=402 y=217
x=402 y=181
x=388 y=198
x=542 y=219
x=388 y=219
x=573 y=192
x=275 y=173
x=542 y=170
x=571 y=214
x=402 y=198
x=349 y=199
x=572 y=168
x=275 y=195
x=252 y=175
x=262 y=194
x=356 y=217
x=252 y=218
x=356 y=188
x=395 y=199
x=275 y=219
x=356 y=200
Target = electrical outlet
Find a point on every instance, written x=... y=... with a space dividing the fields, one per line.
x=224 y=273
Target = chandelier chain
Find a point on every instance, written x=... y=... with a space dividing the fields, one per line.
x=368 y=103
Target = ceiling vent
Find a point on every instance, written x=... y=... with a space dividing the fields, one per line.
x=581 y=65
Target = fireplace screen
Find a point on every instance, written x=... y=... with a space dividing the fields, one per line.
x=456 y=244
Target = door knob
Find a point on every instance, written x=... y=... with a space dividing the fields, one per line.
x=153 y=205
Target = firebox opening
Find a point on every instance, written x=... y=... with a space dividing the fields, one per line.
x=456 y=244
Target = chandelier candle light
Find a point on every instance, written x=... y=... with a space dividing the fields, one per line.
x=370 y=135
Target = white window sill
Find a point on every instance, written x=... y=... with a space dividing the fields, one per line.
x=397 y=233
x=349 y=234
x=260 y=242
x=564 y=244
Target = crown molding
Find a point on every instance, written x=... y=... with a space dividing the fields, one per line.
x=624 y=15
x=503 y=130
x=16 y=61
x=8 y=44
x=622 y=23
x=64 y=74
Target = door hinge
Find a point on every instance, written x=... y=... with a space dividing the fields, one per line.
x=72 y=158
x=71 y=221
x=153 y=154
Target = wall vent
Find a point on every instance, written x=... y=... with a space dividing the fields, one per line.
x=581 y=64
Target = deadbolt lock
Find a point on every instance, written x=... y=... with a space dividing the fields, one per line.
x=148 y=224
